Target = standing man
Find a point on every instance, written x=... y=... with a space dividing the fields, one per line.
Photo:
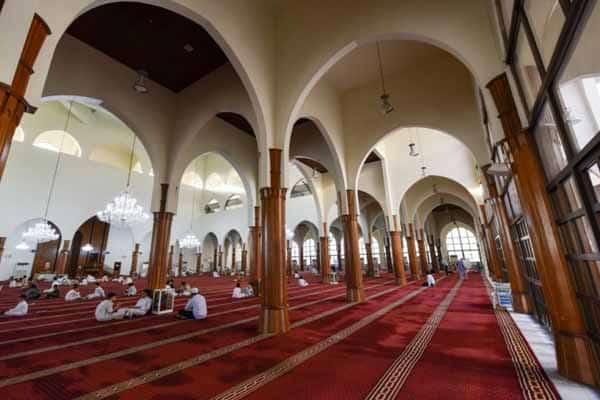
x=460 y=267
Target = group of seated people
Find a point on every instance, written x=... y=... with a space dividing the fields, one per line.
x=239 y=293
x=108 y=310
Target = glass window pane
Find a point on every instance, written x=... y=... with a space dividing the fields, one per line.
x=527 y=71
x=550 y=144
x=572 y=194
x=593 y=174
x=579 y=86
x=546 y=19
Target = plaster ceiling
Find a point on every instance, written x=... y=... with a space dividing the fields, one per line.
x=361 y=66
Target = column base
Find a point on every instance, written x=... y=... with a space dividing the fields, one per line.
x=400 y=281
x=355 y=295
x=521 y=303
x=575 y=357
x=255 y=287
x=274 y=320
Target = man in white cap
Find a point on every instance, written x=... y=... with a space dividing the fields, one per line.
x=195 y=307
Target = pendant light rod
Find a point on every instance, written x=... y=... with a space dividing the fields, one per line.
x=131 y=161
x=58 y=157
x=381 y=68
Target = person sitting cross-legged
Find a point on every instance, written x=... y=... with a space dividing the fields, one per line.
x=73 y=294
x=20 y=309
x=195 y=307
x=98 y=292
x=142 y=307
x=106 y=310
x=302 y=282
x=131 y=290
x=237 y=292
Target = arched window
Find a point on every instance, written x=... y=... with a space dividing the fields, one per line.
x=461 y=243
x=332 y=250
x=19 y=135
x=213 y=183
x=375 y=250
x=212 y=206
x=58 y=141
x=295 y=253
x=300 y=189
x=405 y=251
x=362 y=249
x=234 y=201
x=309 y=252
x=191 y=178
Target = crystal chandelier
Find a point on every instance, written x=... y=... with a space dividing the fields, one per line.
x=42 y=231
x=124 y=210
x=22 y=246
x=190 y=241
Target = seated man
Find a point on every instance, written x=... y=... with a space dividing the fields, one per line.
x=20 y=309
x=131 y=290
x=98 y=292
x=297 y=275
x=302 y=282
x=52 y=285
x=237 y=292
x=73 y=294
x=12 y=282
x=215 y=274
x=83 y=282
x=33 y=292
x=430 y=279
x=105 y=278
x=142 y=307
x=53 y=292
x=195 y=307
x=127 y=281
x=106 y=310
x=248 y=291
x=185 y=289
x=90 y=278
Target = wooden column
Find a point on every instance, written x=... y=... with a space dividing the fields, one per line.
x=180 y=263
x=370 y=264
x=274 y=310
x=134 y=259
x=301 y=251
x=256 y=253
x=412 y=253
x=232 y=256
x=325 y=263
x=423 y=253
x=521 y=298
x=244 y=265
x=170 y=260
x=2 y=243
x=398 y=257
x=354 y=280
x=574 y=349
x=63 y=258
x=339 y=256
x=215 y=259
x=288 y=259
x=435 y=264
x=198 y=263
x=220 y=260
x=12 y=98
x=493 y=260
x=159 y=249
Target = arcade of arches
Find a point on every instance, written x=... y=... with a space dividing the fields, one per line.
x=331 y=169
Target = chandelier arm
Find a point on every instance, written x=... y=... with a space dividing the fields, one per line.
x=58 y=157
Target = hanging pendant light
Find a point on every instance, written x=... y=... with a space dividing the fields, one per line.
x=124 y=210
x=140 y=83
x=386 y=106
x=42 y=232
x=190 y=241
x=22 y=245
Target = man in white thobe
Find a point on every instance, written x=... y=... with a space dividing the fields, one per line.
x=73 y=294
x=98 y=292
x=195 y=307
x=105 y=310
x=142 y=307
x=20 y=309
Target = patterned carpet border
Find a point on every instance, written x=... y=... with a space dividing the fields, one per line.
x=391 y=382
x=534 y=383
x=250 y=385
x=202 y=358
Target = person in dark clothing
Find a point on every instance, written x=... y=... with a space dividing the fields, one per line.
x=33 y=292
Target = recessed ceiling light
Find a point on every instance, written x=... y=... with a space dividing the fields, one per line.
x=188 y=47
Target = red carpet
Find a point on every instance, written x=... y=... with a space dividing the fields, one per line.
x=335 y=350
